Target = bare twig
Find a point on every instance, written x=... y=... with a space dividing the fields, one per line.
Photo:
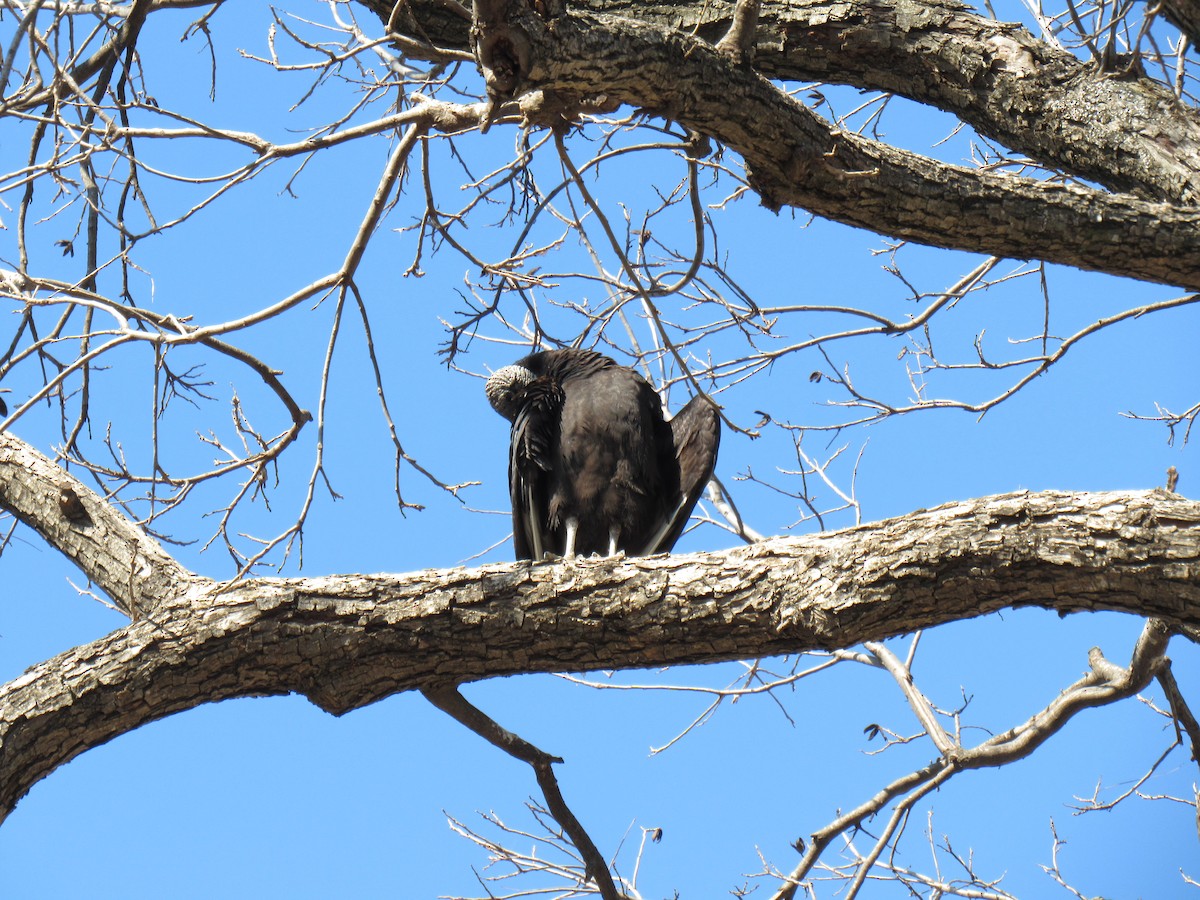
x=451 y=702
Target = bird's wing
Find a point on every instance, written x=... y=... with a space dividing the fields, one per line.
x=696 y=434
x=522 y=492
x=530 y=464
x=571 y=362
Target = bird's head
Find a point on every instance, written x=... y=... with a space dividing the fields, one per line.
x=505 y=389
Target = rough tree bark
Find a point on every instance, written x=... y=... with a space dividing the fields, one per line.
x=1130 y=134
x=346 y=641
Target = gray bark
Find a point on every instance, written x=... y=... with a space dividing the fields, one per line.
x=349 y=640
x=795 y=158
x=1130 y=135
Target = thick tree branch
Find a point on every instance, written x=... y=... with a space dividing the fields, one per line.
x=795 y=158
x=1128 y=134
x=114 y=554
x=350 y=640
x=1036 y=99
x=741 y=38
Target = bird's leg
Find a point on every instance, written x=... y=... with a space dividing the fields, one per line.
x=613 y=534
x=572 y=530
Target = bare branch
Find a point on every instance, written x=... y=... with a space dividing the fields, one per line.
x=1105 y=684
x=451 y=702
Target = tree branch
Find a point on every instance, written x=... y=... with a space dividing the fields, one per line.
x=111 y=551
x=1106 y=683
x=1184 y=15
x=741 y=38
x=346 y=641
x=795 y=158
x=1184 y=717
x=1128 y=134
x=917 y=701
x=451 y=702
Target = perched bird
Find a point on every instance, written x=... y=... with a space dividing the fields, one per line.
x=592 y=465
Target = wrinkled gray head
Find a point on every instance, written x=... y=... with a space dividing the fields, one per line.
x=506 y=388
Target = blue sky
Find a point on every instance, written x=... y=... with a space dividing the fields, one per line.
x=272 y=797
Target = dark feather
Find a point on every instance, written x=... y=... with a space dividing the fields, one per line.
x=531 y=457
x=695 y=436
x=590 y=454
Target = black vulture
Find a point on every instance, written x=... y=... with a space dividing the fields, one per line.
x=592 y=465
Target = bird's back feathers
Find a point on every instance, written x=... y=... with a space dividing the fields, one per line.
x=591 y=455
